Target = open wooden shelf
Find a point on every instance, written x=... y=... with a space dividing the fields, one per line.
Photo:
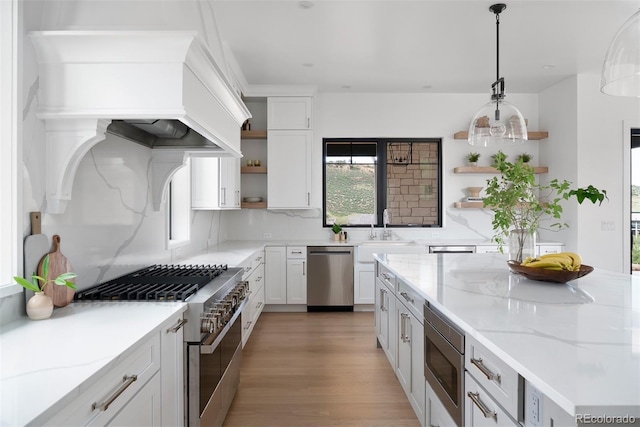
x=468 y=205
x=253 y=134
x=254 y=205
x=253 y=169
x=532 y=135
x=489 y=169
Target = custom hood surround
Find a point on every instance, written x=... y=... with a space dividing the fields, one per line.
x=162 y=89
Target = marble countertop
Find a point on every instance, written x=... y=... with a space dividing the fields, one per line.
x=44 y=363
x=578 y=343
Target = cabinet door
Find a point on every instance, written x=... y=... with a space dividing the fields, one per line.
x=142 y=410
x=230 y=182
x=364 y=284
x=403 y=366
x=289 y=176
x=418 y=382
x=275 y=275
x=289 y=112
x=172 y=371
x=296 y=281
x=480 y=409
x=205 y=183
x=382 y=314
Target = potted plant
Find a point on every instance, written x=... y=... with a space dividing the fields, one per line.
x=40 y=305
x=472 y=158
x=524 y=157
x=337 y=230
x=515 y=199
x=498 y=158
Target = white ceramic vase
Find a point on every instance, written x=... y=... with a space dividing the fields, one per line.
x=39 y=306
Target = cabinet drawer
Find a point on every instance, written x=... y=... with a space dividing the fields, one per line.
x=114 y=387
x=498 y=379
x=480 y=409
x=386 y=276
x=549 y=249
x=256 y=279
x=411 y=299
x=257 y=259
x=299 y=252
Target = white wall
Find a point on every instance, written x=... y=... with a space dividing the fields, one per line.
x=586 y=146
x=395 y=115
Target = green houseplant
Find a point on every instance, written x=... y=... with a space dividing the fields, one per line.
x=520 y=204
x=473 y=158
x=524 y=157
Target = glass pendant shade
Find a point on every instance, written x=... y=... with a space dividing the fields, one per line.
x=621 y=68
x=507 y=125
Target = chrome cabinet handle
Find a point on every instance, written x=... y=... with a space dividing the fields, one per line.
x=177 y=327
x=382 y=307
x=308 y=199
x=127 y=381
x=490 y=375
x=248 y=324
x=403 y=330
x=488 y=413
x=304 y=268
x=224 y=196
x=406 y=296
x=259 y=304
x=308 y=122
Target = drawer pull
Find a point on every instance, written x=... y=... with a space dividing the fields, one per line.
x=488 y=413
x=177 y=327
x=127 y=381
x=248 y=325
x=407 y=297
x=259 y=304
x=490 y=375
x=382 y=307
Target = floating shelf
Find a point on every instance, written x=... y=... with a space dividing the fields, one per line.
x=253 y=169
x=532 y=135
x=469 y=205
x=253 y=205
x=253 y=134
x=489 y=169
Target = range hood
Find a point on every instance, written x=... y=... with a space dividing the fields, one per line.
x=161 y=89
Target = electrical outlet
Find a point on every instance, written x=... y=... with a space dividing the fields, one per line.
x=533 y=406
x=607 y=225
x=267 y=235
x=435 y=235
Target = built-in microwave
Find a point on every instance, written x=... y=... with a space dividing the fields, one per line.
x=444 y=361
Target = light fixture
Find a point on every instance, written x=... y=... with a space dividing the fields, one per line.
x=621 y=68
x=497 y=120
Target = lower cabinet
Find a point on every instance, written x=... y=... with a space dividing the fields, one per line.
x=480 y=409
x=296 y=275
x=436 y=413
x=385 y=318
x=364 y=283
x=410 y=367
x=255 y=275
x=275 y=273
x=172 y=371
x=128 y=394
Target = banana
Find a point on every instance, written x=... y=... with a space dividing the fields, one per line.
x=570 y=261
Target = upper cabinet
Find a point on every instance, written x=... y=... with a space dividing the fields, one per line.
x=289 y=113
x=215 y=183
x=289 y=146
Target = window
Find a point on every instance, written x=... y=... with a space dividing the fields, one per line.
x=364 y=177
x=179 y=207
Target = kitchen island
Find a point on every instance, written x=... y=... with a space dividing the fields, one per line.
x=577 y=343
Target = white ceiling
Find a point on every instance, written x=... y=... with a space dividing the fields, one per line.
x=419 y=45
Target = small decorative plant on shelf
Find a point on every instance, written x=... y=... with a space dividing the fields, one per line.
x=498 y=158
x=524 y=157
x=473 y=158
x=516 y=201
x=337 y=230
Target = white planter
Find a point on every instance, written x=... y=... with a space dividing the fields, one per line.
x=39 y=306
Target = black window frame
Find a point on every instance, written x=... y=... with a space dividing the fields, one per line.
x=381 y=181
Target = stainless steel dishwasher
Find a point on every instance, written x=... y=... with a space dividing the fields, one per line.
x=330 y=278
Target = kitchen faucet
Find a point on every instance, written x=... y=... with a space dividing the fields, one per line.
x=372 y=233
x=386 y=234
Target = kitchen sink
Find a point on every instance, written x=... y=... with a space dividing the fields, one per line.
x=365 y=250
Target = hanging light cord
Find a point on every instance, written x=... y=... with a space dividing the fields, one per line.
x=498 y=86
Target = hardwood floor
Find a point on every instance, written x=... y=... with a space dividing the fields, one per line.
x=317 y=369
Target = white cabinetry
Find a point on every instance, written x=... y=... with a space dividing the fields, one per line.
x=296 y=275
x=275 y=274
x=436 y=413
x=289 y=146
x=364 y=283
x=289 y=177
x=172 y=371
x=289 y=112
x=385 y=313
x=128 y=394
x=215 y=183
x=481 y=409
x=254 y=274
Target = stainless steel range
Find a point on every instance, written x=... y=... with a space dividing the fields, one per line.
x=216 y=296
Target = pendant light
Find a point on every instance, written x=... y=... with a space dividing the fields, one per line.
x=621 y=68
x=498 y=120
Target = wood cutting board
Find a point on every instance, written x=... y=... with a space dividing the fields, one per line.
x=58 y=264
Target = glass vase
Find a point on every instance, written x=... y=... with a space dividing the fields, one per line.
x=522 y=244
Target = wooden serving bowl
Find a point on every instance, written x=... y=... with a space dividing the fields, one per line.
x=545 y=275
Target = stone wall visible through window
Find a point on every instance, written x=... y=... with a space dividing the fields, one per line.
x=412 y=183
